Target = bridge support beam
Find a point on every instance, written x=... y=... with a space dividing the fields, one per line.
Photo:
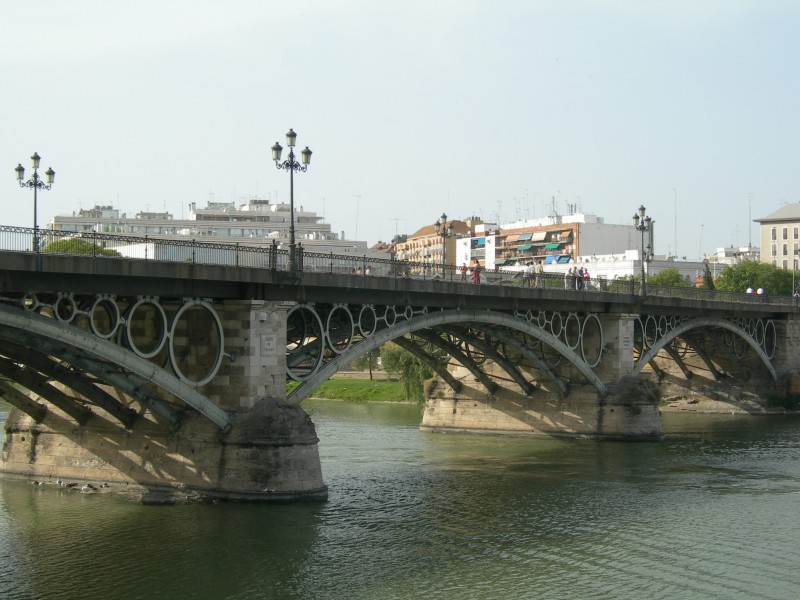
x=625 y=408
x=269 y=454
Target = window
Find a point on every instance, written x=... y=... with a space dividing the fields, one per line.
x=785 y=264
x=786 y=249
x=786 y=233
x=774 y=251
x=774 y=233
x=795 y=232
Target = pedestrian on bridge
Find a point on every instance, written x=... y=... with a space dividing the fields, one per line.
x=476 y=272
x=538 y=272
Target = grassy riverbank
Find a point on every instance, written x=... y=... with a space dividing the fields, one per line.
x=358 y=390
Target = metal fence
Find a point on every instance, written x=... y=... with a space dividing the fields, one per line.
x=271 y=255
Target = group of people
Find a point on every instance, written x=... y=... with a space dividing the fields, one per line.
x=576 y=278
x=532 y=275
x=474 y=272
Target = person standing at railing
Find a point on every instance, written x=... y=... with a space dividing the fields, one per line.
x=476 y=272
x=538 y=272
x=464 y=273
x=527 y=275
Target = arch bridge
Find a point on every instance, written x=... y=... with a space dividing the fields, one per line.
x=173 y=375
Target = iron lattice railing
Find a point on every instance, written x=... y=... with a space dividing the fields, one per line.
x=272 y=255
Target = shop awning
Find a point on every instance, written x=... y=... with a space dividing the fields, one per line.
x=524 y=236
x=564 y=259
x=551 y=246
x=538 y=236
x=549 y=260
x=512 y=238
x=527 y=247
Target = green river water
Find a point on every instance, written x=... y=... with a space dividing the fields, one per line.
x=710 y=512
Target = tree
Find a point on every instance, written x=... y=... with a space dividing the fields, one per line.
x=410 y=369
x=753 y=274
x=369 y=361
x=668 y=278
x=708 y=278
x=78 y=246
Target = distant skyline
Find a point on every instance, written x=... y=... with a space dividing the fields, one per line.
x=503 y=110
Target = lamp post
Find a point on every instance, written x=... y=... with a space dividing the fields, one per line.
x=643 y=224
x=291 y=165
x=37 y=184
x=444 y=230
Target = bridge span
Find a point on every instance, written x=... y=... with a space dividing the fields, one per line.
x=171 y=376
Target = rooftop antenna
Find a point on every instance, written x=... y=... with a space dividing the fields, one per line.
x=749 y=220
x=358 y=203
x=396 y=221
x=554 y=214
x=675 y=199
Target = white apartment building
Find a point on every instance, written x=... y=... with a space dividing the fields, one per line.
x=256 y=222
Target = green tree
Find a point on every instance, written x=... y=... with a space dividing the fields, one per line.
x=368 y=361
x=410 y=369
x=669 y=278
x=754 y=274
x=708 y=278
x=78 y=246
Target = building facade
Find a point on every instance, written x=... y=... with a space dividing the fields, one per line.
x=256 y=222
x=779 y=234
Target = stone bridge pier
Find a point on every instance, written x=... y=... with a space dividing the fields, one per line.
x=82 y=418
x=619 y=405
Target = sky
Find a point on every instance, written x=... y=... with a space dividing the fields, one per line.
x=501 y=109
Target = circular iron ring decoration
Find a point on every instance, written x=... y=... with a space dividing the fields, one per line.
x=770 y=339
x=65 y=309
x=104 y=305
x=592 y=318
x=367 y=320
x=572 y=331
x=345 y=321
x=143 y=303
x=220 y=350
x=318 y=338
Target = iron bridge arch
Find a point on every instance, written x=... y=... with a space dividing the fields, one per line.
x=321 y=339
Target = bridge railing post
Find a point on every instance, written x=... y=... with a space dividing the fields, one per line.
x=236 y=259
x=300 y=257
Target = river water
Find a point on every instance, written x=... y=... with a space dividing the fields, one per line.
x=711 y=512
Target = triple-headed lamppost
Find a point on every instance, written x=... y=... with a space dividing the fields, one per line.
x=445 y=230
x=291 y=165
x=644 y=223
x=37 y=184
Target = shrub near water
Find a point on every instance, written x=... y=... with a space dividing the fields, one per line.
x=354 y=390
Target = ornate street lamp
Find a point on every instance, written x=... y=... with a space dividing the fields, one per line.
x=291 y=165
x=37 y=184
x=644 y=224
x=444 y=230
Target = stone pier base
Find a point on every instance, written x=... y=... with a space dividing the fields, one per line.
x=628 y=412
x=270 y=454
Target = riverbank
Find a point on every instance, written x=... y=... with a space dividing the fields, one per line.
x=359 y=389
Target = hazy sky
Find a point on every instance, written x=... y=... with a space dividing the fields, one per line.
x=491 y=108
